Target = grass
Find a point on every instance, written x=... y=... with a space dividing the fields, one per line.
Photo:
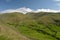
x=4 y=38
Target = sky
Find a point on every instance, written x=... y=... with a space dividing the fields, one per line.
x=32 y=4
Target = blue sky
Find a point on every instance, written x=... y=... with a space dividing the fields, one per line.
x=33 y=4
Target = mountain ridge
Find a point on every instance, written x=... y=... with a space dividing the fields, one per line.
x=25 y=10
x=34 y=26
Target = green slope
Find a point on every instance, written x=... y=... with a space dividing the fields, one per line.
x=34 y=26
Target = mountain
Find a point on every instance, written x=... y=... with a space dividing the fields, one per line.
x=30 y=26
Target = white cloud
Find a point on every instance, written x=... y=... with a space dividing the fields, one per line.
x=22 y=10
x=25 y=10
x=47 y=10
x=57 y=0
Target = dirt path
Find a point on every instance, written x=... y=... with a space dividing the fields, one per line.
x=11 y=33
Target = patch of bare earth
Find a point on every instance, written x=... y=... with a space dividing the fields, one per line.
x=11 y=33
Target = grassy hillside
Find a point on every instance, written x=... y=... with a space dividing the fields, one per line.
x=31 y=26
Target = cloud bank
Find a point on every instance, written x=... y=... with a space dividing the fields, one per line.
x=21 y=10
x=26 y=10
